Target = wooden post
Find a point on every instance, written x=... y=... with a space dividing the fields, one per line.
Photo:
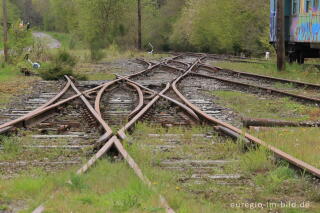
x=139 y=26
x=280 y=36
x=5 y=30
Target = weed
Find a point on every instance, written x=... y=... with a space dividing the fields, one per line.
x=3 y=207
x=77 y=182
x=275 y=179
x=62 y=65
x=256 y=160
x=11 y=148
x=301 y=143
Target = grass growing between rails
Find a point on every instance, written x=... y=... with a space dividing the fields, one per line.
x=302 y=143
x=253 y=106
x=307 y=72
x=14 y=150
x=108 y=187
x=113 y=187
x=262 y=180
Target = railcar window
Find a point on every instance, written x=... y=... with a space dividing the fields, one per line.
x=274 y=6
x=308 y=6
x=295 y=7
x=316 y=4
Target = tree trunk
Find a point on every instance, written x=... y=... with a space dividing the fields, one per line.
x=139 y=26
x=280 y=36
x=5 y=30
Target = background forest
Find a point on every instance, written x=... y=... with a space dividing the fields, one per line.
x=216 y=26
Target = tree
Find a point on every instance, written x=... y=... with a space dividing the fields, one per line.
x=5 y=30
x=139 y=25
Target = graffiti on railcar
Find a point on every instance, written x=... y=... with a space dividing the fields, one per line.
x=273 y=21
x=305 y=28
x=273 y=29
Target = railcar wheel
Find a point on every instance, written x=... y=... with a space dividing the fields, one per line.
x=300 y=58
x=292 y=58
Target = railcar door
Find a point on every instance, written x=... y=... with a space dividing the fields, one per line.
x=273 y=19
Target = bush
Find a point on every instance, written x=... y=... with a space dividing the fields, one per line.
x=55 y=72
x=62 y=64
x=96 y=52
x=65 y=58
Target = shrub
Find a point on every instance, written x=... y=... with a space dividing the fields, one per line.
x=55 y=72
x=65 y=58
x=256 y=160
x=62 y=64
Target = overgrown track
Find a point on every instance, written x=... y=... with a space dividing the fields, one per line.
x=112 y=109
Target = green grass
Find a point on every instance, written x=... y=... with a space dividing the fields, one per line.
x=8 y=73
x=302 y=143
x=113 y=187
x=12 y=82
x=256 y=160
x=108 y=187
x=11 y=148
x=253 y=106
x=307 y=72
x=281 y=182
x=66 y=40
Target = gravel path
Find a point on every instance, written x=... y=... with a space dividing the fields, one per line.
x=51 y=42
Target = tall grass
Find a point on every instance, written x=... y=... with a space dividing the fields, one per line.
x=302 y=143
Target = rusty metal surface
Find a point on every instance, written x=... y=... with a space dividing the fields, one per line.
x=107 y=129
x=141 y=101
x=301 y=97
x=187 y=109
x=282 y=80
x=301 y=164
x=30 y=114
x=110 y=138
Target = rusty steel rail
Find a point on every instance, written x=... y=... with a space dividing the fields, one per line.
x=294 y=161
x=113 y=140
x=121 y=132
x=105 y=126
x=271 y=90
x=186 y=108
x=247 y=74
x=50 y=105
x=116 y=142
x=102 y=90
x=9 y=125
x=108 y=132
x=110 y=138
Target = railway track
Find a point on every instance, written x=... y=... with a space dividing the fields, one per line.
x=95 y=120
